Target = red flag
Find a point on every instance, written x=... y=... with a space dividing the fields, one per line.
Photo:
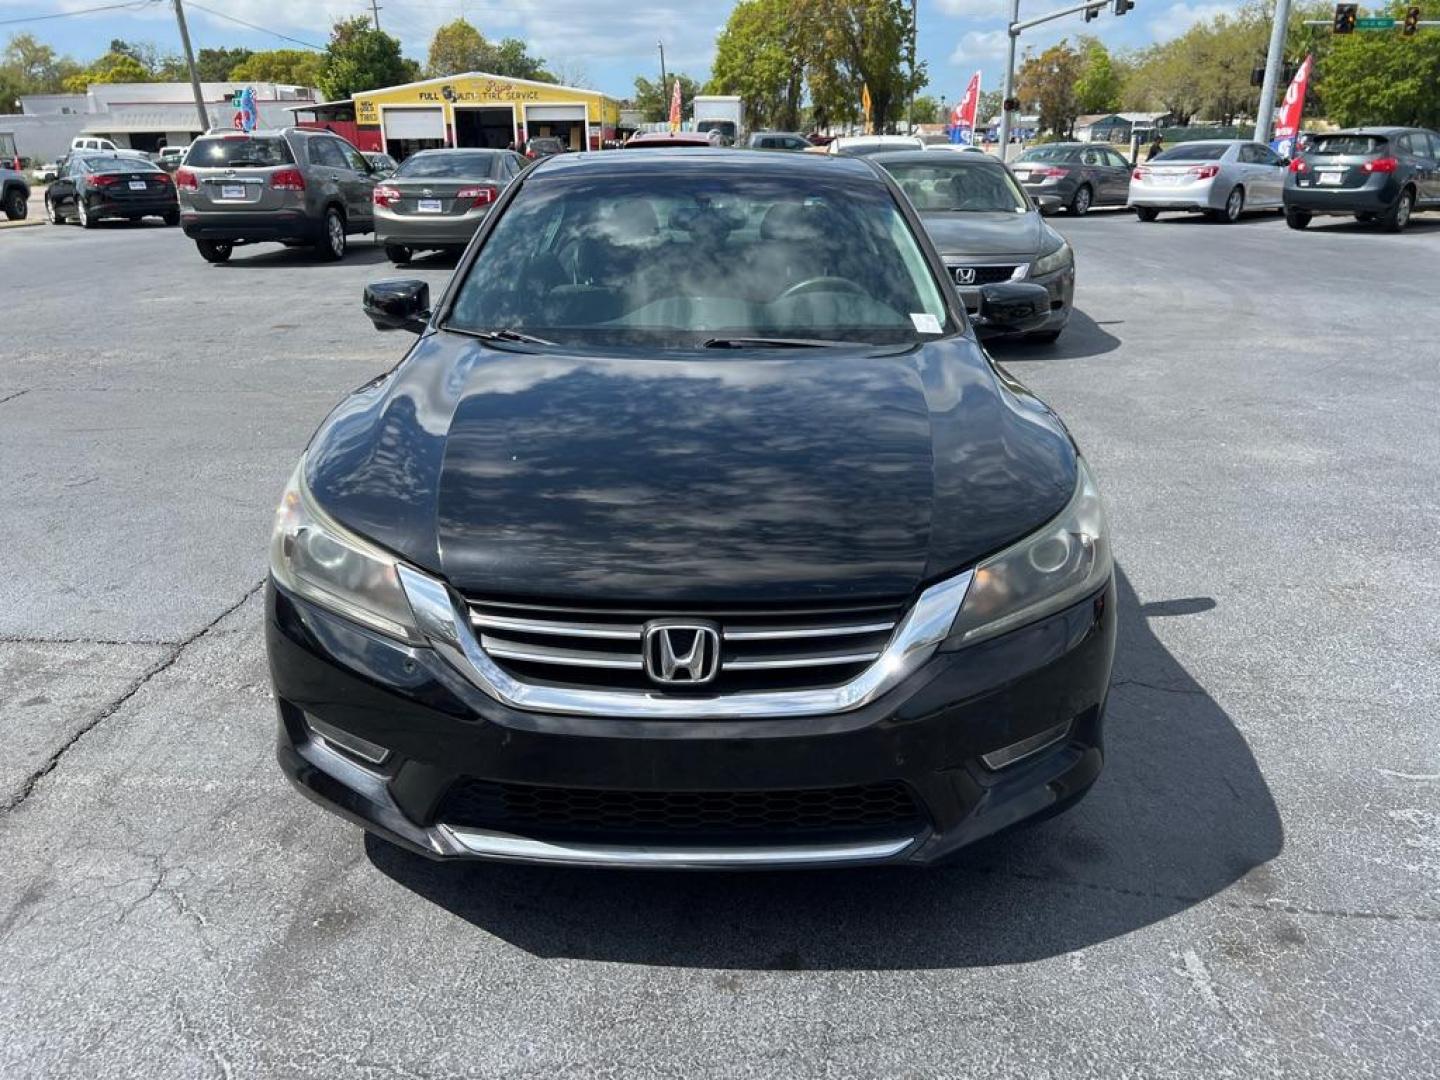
x=964 y=115
x=675 y=107
x=1287 y=124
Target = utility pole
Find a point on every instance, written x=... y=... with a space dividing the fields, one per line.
x=664 y=90
x=914 y=35
x=1274 y=61
x=190 y=64
x=1009 y=92
x=375 y=11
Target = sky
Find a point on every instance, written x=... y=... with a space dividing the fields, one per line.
x=602 y=44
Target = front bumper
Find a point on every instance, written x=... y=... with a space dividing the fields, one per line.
x=928 y=734
x=1061 y=286
x=1377 y=194
x=256 y=226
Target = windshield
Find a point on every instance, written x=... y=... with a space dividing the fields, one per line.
x=1193 y=152
x=959 y=186
x=1049 y=153
x=232 y=151
x=673 y=259
x=1346 y=144
x=457 y=163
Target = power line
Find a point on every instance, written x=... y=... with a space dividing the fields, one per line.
x=252 y=26
x=82 y=11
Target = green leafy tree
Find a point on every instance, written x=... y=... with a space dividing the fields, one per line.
x=215 y=65
x=653 y=100
x=1097 y=90
x=456 y=47
x=860 y=45
x=761 y=55
x=360 y=58
x=292 y=67
x=1047 y=84
x=511 y=59
x=989 y=107
x=1383 y=78
x=926 y=110
x=113 y=67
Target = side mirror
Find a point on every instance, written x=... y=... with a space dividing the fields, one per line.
x=1014 y=306
x=398 y=304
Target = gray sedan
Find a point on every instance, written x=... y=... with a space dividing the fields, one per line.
x=1220 y=177
x=437 y=199
x=986 y=230
x=1073 y=176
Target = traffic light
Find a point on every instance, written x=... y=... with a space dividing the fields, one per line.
x=1092 y=13
x=1345 y=18
x=1012 y=104
x=1412 y=20
x=1122 y=6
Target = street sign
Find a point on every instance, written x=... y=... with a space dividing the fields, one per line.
x=1375 y=24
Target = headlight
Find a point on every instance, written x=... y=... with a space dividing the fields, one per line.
x=1047 y=571
x=1058 y=259
x=313 y=556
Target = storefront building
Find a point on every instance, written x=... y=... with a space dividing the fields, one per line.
x=473 y=109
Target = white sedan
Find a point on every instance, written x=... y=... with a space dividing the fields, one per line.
x=1219 y=177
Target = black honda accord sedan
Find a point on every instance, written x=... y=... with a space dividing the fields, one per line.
x=695 y=530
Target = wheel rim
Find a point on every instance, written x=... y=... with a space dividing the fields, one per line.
x=1082 y=200
x=50 y=214
x=1402 y=212
x=337 y=234
x=1233 y=204
x=83 y=213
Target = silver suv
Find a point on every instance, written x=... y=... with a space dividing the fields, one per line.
x=294 y=186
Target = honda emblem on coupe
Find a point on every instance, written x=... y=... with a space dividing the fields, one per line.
x=681 y=652
x=965 y=275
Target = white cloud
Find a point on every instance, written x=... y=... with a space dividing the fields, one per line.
x=1177 y=18
x=974 y=9
x=980 y=45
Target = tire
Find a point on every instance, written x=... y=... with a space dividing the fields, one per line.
x=172 y=218
x=214 y=251
x=82 y=214
x=1397 y=216
x=331 y=244
x=1297 y=219
x=1234 y=207
x=16 y=206
x=1146 y=213
x=398 y=254
x=1043 y=337
x=1081 y=201
x=52 y=215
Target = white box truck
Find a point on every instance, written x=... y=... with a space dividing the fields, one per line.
x=718 y=112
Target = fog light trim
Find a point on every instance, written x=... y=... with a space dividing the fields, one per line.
x=354 y=745
x=1027 y=747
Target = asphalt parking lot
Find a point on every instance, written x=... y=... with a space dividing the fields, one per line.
x=1253 y=888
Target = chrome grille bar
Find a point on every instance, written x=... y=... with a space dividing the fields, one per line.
x=563 y=629
x=808 y=660
x=748 y=634
x=543 y=654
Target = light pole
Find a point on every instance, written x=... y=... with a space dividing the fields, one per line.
x=1274 y=60
x=190 y=63
x=663 y=80
x=1009 y=92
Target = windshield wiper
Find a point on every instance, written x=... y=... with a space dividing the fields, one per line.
x=767 y=343
x=503 y=335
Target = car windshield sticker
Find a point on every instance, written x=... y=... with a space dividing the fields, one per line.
x=925 y=323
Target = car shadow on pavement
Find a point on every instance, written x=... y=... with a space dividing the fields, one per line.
x=1180 y=814
x=1082 y=337
x=268 y=256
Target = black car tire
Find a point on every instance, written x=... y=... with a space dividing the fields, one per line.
x=1043 y=337
x=1397 y=216
x=16 y=205
x=330 y=245
x=398 y=254
x=82 y=214
x=1081 y=201
x=53 y=215
x=214 y=251
x=1234 y=207
x=1297 y=219
x=172 y=218
x=1146 y=213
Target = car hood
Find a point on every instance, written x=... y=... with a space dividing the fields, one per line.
x=826 y=474
x=985 y=234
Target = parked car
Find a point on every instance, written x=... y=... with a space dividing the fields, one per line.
x=543 y=146
x=43 y=174
x=955 y=148
x=862 y=145
x=95 y=186
x=14 y=194
x=642 y=140
x=1074 y=176
x=438 y=198
x=777 y=140
x=697 y=529
x=92 y=143
x=987 y=230
x=380 y=164
x=170 y=158
x=300 y=187
x=1378 y=174
x=1220 y=177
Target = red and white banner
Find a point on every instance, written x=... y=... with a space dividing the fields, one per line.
x=964 y=114
x=675 y=107
x=1287 y=122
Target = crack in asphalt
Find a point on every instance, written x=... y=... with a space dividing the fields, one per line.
x=176 y=650
x=1115 y=683
x=12 y=397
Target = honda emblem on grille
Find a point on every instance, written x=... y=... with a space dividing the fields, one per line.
x=681 y=652
x=964 y=275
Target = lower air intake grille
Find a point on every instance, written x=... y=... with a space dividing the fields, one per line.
x=552 y=811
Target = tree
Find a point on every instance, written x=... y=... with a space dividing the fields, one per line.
x=862 y=45
x=292 y=67
x=1046 y=83
x=113 y=67
x=511 y=59
x=926 y=110
x=1097 y=90
x=360 y=58
x=1163 y=80
x=989 y=107
x=653 y=100
x=456 y=47
x=1383 y=78
x=761 y=56
x=215 y=65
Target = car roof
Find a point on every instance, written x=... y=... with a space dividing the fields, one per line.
x=1368 y=129
x=705 y=159
x=927 y=157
